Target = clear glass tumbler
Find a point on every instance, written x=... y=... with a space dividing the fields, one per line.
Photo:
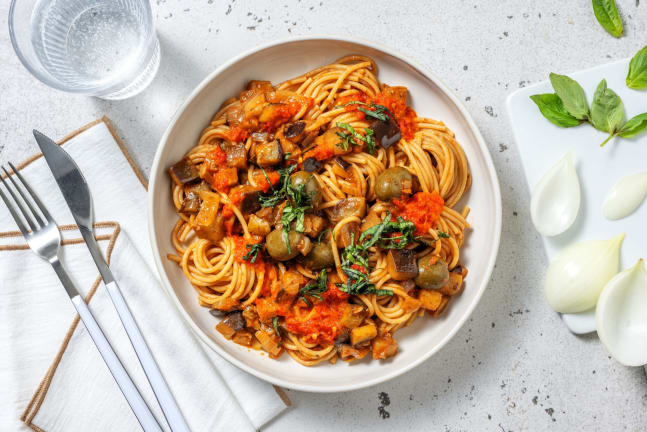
x=104 y=48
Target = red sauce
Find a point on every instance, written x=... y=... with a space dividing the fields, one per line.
x=237 y=134
x=423 y=209
x=321 y=152
x=321 y=324
x=261 y=181
x=215 y=158
x=240 y=250
x=222 y=178
x=359 y=97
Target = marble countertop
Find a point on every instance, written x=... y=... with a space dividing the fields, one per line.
x=513 y=366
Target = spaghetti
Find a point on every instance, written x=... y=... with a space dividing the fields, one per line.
x=317 y=217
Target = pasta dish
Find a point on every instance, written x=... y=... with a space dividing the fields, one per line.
x=316 y=217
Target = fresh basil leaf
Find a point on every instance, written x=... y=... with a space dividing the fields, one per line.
x=634 y=126
x=607 y=15
x=572 y=95
x=551 y=107
x=637 y=74
x=607 y=110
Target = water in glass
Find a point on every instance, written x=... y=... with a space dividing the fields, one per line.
x=107 y=47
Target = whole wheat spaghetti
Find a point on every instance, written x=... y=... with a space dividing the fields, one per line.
x=318 y=216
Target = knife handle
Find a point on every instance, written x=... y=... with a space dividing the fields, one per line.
x=128 y=388
x=160 y=388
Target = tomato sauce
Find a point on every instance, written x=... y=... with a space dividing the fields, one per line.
x=261 y=181
x=423 y=209
x=321 y=324
x=237 y=134
x=240 y=250
x=321 y=152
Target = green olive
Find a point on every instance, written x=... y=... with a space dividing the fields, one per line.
x=432 y=272
x=319 y=257
x=392 y=183
x=312 y=187
x=277 y=248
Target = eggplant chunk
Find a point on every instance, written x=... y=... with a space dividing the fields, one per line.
x=236 y=154
x=347 y=207
x=269 y=154
x=312 y=165
x=235 y=320
x=386 y=132
x=258 y=226
x=401 y=264
x=250 y=202
x=363 y=333
x=191 y=203
x=184 y=172
x=295 y=131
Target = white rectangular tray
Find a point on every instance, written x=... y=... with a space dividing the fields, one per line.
x=541 y=144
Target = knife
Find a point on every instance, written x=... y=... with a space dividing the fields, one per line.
x=76 y=192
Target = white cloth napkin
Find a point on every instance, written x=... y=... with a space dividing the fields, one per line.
x=78 y=393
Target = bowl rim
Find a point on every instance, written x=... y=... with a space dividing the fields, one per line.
x=473 y=129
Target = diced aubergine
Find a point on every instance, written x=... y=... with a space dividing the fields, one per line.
x=295 y=131
x=401 y=264
x=349 y=353
x=258 y=226
x=235 y=320
x=269 y=154
x=363 y=333
x=386 y=132
x=191 y=203
x=184 y=172
x=249 y=198
x=384 y=347
x=312 y=165
x=236 y=154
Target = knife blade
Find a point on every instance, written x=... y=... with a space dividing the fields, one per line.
x=77 y=195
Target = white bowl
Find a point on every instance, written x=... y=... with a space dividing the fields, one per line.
x=279 y=61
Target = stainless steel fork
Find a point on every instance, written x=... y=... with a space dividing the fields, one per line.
x=41 y=233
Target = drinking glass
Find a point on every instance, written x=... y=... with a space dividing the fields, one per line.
x=104 y=48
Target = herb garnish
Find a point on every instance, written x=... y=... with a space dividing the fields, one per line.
x=279 y=194
x=321 y=234
x=381 y=112
x=252 y=252
x=352 y=136
x=314 y=288
x=355 y=264
x=607 y=15
x=637 y=73
x=442 y=234
x=388 y=234
x=275 y=324
x=568 y=106
x=298 y=202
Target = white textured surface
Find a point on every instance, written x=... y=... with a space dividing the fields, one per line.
x=514 y=366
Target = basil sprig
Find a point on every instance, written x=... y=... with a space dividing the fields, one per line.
x=314 y=288
x=607 y=110
x=637 y=74
x=351 y=137
x=607 y=15
x=568 y=107
x=552 y=108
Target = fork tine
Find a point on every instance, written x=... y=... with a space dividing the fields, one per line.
x=17 y=201
x=24 y=198
x=12 y=210
x=33 y=195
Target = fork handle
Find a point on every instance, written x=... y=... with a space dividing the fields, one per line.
x=125 y=383
x=160 y=388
